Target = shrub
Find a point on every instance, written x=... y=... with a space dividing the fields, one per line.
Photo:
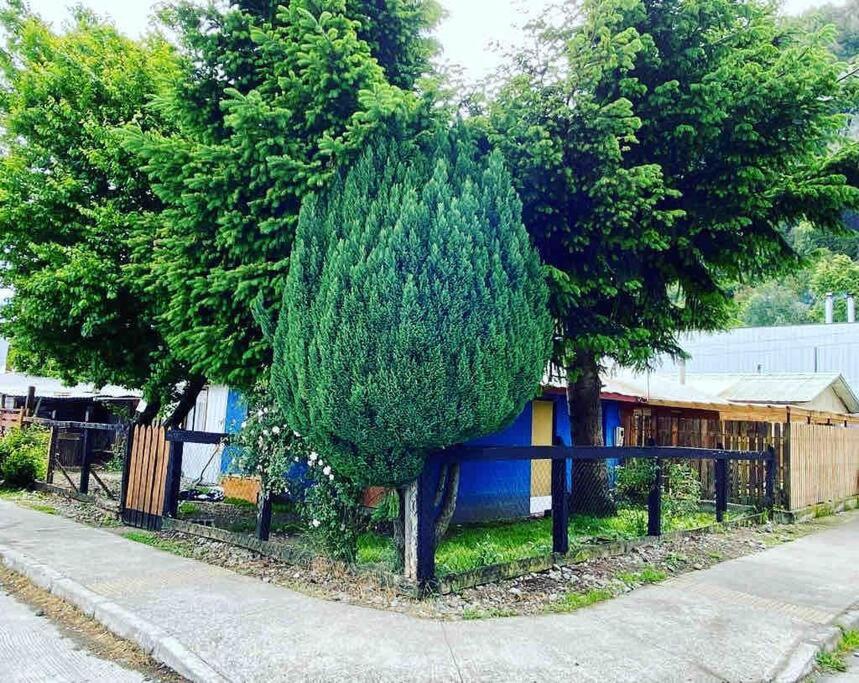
x=329 y=505
x=24 y=456
x=415 y=311
x=682 y=486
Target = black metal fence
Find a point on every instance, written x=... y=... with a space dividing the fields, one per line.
x=590 y=489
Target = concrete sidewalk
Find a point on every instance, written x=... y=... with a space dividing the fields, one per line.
x=760 y=617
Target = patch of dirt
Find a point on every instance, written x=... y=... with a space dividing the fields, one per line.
x=530 y=594
x=84 y=631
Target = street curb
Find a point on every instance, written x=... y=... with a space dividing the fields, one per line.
x=152 y=639
x=801 y=663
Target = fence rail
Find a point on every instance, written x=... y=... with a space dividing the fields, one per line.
x=423 y=500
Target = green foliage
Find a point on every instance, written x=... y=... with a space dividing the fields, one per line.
x=24 y=456
x=414 y=315
x=332 y=509
x=658 y=149
x=267 y=447
x=71 y=199
x=837 y=274
x=845 y=18
x=272 y=97
x=682 y=487
x=775 y=302
x=330 y=505
x=388 y=509
x=646 y=576
x=156 y=541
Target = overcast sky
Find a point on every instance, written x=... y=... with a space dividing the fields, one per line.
x=466 y=34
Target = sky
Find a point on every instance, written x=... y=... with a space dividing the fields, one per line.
x=466 y=35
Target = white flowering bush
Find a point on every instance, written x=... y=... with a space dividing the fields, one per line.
x=286 y=465
x=267 y=447
x=331 y=507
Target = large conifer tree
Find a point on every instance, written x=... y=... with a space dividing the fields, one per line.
x=414 y=314
x=275 y=94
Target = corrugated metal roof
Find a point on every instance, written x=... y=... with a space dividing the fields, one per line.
x=652 y=386
x=780 y=387
x=16 y=384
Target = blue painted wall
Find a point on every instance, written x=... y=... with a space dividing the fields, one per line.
x=610 y=421
x=497 y=490
x=237 y=411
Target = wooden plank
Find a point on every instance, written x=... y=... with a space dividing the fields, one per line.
x=161 y=476
x=188 y=436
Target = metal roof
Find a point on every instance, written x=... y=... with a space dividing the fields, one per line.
x=778 y=387
x=652 y=386
x=16 y=384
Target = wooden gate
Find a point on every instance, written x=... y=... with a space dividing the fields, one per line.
x=145 y=477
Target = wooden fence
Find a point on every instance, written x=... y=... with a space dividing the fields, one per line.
x=824 y=464
x=815 y=463
x=11 y=418
x=145 y=477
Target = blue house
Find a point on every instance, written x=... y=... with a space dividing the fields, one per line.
x=511 y=489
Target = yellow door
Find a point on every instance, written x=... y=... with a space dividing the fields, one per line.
x=542 y=414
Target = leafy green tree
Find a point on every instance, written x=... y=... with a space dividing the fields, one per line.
x=837 y=274
x=658 y=147
x=773 y=303
x=273 y=96
x=70 y=200
x=414 y=315
x=845 y=18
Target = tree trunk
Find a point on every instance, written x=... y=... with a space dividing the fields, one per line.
x=591 y=493
x=187 y=399
x=149 y=413
x=445 y=499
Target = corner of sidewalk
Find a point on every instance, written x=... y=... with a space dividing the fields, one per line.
x=801 y=663
x=153 y=640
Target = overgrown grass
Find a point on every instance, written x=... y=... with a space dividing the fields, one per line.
x=573 y=601
x=835 y=661
x=154 y=541
x=471 y=546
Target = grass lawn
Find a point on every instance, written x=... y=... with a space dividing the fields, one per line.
x=472 y=546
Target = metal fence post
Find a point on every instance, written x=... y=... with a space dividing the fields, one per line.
x=721 y=489
x=654 y=502
x=560 y=509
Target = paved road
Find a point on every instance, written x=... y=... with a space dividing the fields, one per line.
x=33 y=650
x=742 y=620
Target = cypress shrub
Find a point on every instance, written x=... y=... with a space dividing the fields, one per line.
x=415 y=312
